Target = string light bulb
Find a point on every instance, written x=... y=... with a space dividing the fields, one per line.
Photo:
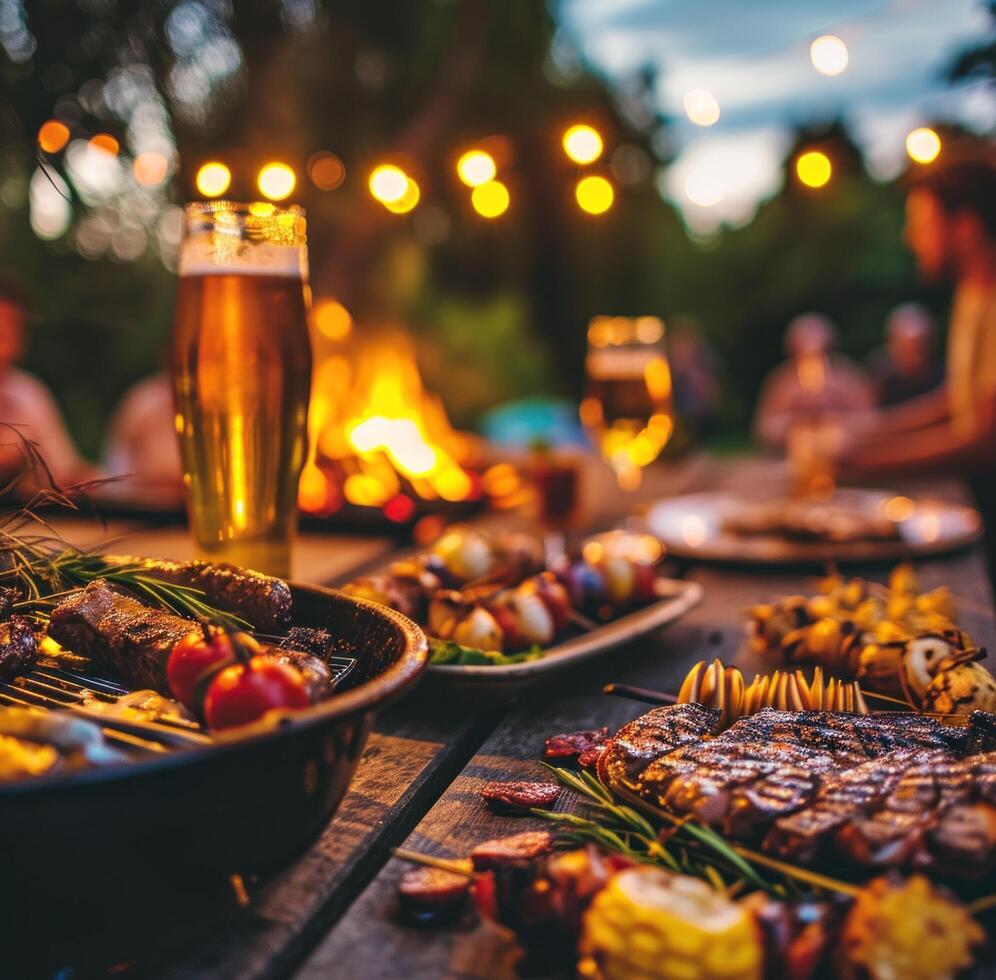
x=490 y=199
x=408 y=200
x=813 y=168
x=276 y=181
x=594 y=194
x=53 y=136
x=476 y=167
x=828 y=53
x=923 y=145
x=701 y=107
x=583 y=144
x=213 y=179
x=388 y=183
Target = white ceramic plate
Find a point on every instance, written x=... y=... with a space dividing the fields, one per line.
x=692 y=526
x=675 y=598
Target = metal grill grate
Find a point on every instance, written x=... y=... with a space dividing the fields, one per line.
x=49 y=686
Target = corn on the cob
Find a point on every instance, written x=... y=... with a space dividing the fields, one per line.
x=907 y=930
x=648 y=923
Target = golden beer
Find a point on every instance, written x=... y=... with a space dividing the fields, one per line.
x=241 y=367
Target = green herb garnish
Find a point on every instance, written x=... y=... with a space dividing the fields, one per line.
x=448 y=652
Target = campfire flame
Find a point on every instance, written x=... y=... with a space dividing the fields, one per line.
x=378 y=438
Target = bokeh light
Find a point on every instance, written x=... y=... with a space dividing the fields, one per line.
x=276 y=181
x=53 y=136
x=476 y=167
x=828 y=54
x=490 y=199
x=583 y=144
x=388 y=183
x=702 y=188
x=594 y=195
x=332 y=319
x=813 y=168
x=150 y=168
x=105 y=143
x=407 y=201
x=326 y=170
x=923 y=145
x=701 y=107
x=213 y=179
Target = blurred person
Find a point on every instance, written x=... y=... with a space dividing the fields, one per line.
x=28 y=407
x=695 y=373
x=906 y=367
x=814 y=381
x=951 y=230
x=141 y=439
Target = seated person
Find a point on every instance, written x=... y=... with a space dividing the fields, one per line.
x=907 y=367
x=813 y=381
x=141 y=440
x=951 y=230
x=29 y=411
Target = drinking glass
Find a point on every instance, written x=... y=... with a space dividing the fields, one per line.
x=628 y=407
x=241 y=370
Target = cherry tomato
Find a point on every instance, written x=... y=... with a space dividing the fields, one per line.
x=243 y=693
x=191 y=659
x=645 y=589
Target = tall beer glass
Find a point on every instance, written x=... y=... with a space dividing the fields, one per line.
x=241 y=366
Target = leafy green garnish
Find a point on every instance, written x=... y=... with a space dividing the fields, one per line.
x=448 y=652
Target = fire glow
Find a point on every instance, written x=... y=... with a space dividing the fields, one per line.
x=379 y=439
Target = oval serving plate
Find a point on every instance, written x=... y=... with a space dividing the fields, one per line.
x=675 y=598
x=692 y=526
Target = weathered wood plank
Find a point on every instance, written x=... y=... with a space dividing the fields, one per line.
x=409 y=760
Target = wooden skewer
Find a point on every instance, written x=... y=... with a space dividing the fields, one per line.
x=644 y=694
x=582 y=621
x=429 y=861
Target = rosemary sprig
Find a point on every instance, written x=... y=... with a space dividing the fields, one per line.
x=687 y=846
x=47 y=577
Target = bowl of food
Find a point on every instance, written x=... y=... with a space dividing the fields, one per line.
x=123 y=807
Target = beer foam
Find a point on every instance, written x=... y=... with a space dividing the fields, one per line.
x=199 y=257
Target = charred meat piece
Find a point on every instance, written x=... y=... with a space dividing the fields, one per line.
x=318 y=642
x=704 y=779
x=964 y=840
x=8 y=597
x=981 y=732
x=316 y=674
x=431 y=895
x=519 y=796
x=849 y=738
x=263 y=601
x=120 y=631
x=17 y=646
x=574 y=744
x=650 y=736
x=516 y=850
x=844 y=797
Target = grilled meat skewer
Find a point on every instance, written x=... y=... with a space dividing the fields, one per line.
x=136 y=640
x=263 y=601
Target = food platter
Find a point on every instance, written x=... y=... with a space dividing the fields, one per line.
x=675 y=599
x=698 y=526
x=501 y=613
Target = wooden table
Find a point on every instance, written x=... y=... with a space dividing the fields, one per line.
x=332 y=914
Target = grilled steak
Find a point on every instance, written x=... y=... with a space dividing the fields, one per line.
x=656 y=733
x=703 y=779
x=849 y=738
x=136 y=640
x=263 y=601
x=843 y=797
x=17 y=646
x=964 y=840
x=120 y=631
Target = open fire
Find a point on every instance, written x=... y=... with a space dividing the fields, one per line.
x=378 y=438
